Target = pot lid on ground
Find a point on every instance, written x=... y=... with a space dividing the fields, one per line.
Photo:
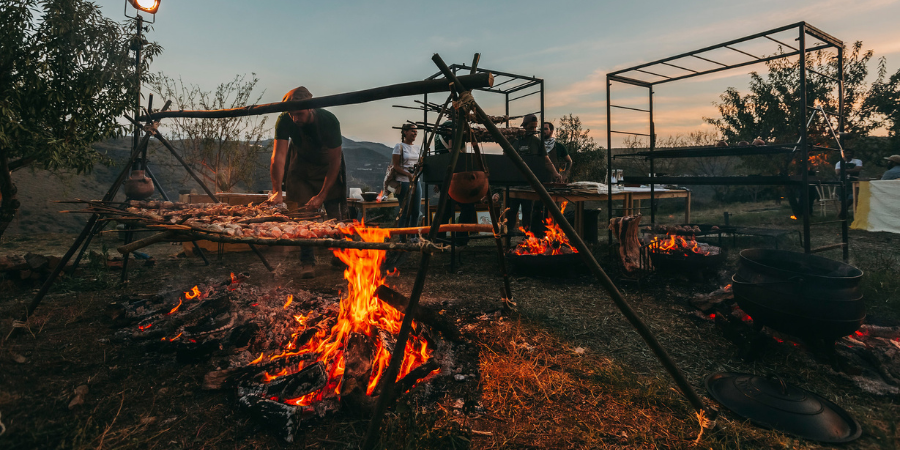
x=771 y=403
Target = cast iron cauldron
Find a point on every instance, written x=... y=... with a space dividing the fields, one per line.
x=799 y=294
x=468 y=187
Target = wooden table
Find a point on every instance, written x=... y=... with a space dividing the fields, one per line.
x=627 y=195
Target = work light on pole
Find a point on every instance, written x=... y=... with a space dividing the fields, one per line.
x=148 y=6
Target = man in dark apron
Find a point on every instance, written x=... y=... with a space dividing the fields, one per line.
x=307 y=158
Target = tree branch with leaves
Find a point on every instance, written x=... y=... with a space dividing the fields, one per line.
x=65 y=77
x=224 y=151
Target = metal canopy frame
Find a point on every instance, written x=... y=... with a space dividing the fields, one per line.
x=505 y=83
x=653 y=73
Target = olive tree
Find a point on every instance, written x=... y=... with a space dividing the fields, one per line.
x=224 y=151
x=65 y=78
x=587 y=156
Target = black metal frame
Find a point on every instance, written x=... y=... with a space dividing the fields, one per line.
x=520 y=83
x=648 y=75
x=500 y=78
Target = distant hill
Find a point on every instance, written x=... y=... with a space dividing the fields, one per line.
x=39 y=189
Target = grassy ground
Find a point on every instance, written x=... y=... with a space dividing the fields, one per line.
x=565 y=371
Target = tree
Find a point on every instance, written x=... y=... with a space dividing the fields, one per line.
x=883 y=103
x=771 y=111
x=224 y=151
x=587 y=156
x=64 y=79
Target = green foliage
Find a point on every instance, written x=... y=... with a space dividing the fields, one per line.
x=225 y=151
x=588 y=158
x=883 y=103
x=771 y=111
x=65 y=77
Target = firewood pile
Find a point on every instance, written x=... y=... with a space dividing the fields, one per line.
x=30 y=266
x=255 y=342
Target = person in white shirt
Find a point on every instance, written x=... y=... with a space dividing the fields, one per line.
x=854 y=165
x=403 y=160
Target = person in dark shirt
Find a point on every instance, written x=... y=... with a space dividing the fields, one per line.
x=307 y=157
x=529 y=144
x=558 y=153
x=893 y=164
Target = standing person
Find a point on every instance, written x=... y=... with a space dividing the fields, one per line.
x=307 y=157
x=529 y=144
x=558 y=153
x=403 y=160
x=853 y=168
x=893 y=172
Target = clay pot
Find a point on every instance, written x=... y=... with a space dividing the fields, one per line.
x=138 y=186
x=468 y=187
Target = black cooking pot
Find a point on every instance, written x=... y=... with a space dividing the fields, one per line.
x=763 y=265
x=799 y=294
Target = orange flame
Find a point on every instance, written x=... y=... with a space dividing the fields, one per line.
x=380 y=197
x=793 y=217
x=360 y=312
x=674 y=244
x=144 y=327
x=289 y=300
x=554 y=241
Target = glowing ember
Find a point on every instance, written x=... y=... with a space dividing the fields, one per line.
x=189 y=295
x=289 y=300
x=360 y=313
x=793 y=217
x=554 y=241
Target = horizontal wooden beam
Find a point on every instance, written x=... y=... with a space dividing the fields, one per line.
x=479 y=80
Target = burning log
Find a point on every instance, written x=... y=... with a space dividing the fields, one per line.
x=358 y=355
x=406 y=383
x=249 y=375
x=309 y=379
x=422 y=313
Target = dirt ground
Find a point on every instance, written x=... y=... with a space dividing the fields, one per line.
x=563 y=371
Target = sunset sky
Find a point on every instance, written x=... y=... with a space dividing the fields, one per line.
x=335 y=47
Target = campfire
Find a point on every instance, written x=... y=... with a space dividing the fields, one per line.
x=674 y=245
x=362 y=317
x=680 y=253
x=554 y=241
x=291 y=355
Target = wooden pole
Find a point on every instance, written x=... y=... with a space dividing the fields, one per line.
x=388 y=390
x=686 y=389
x=481 y=80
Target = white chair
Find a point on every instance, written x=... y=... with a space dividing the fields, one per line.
x=827 y=195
